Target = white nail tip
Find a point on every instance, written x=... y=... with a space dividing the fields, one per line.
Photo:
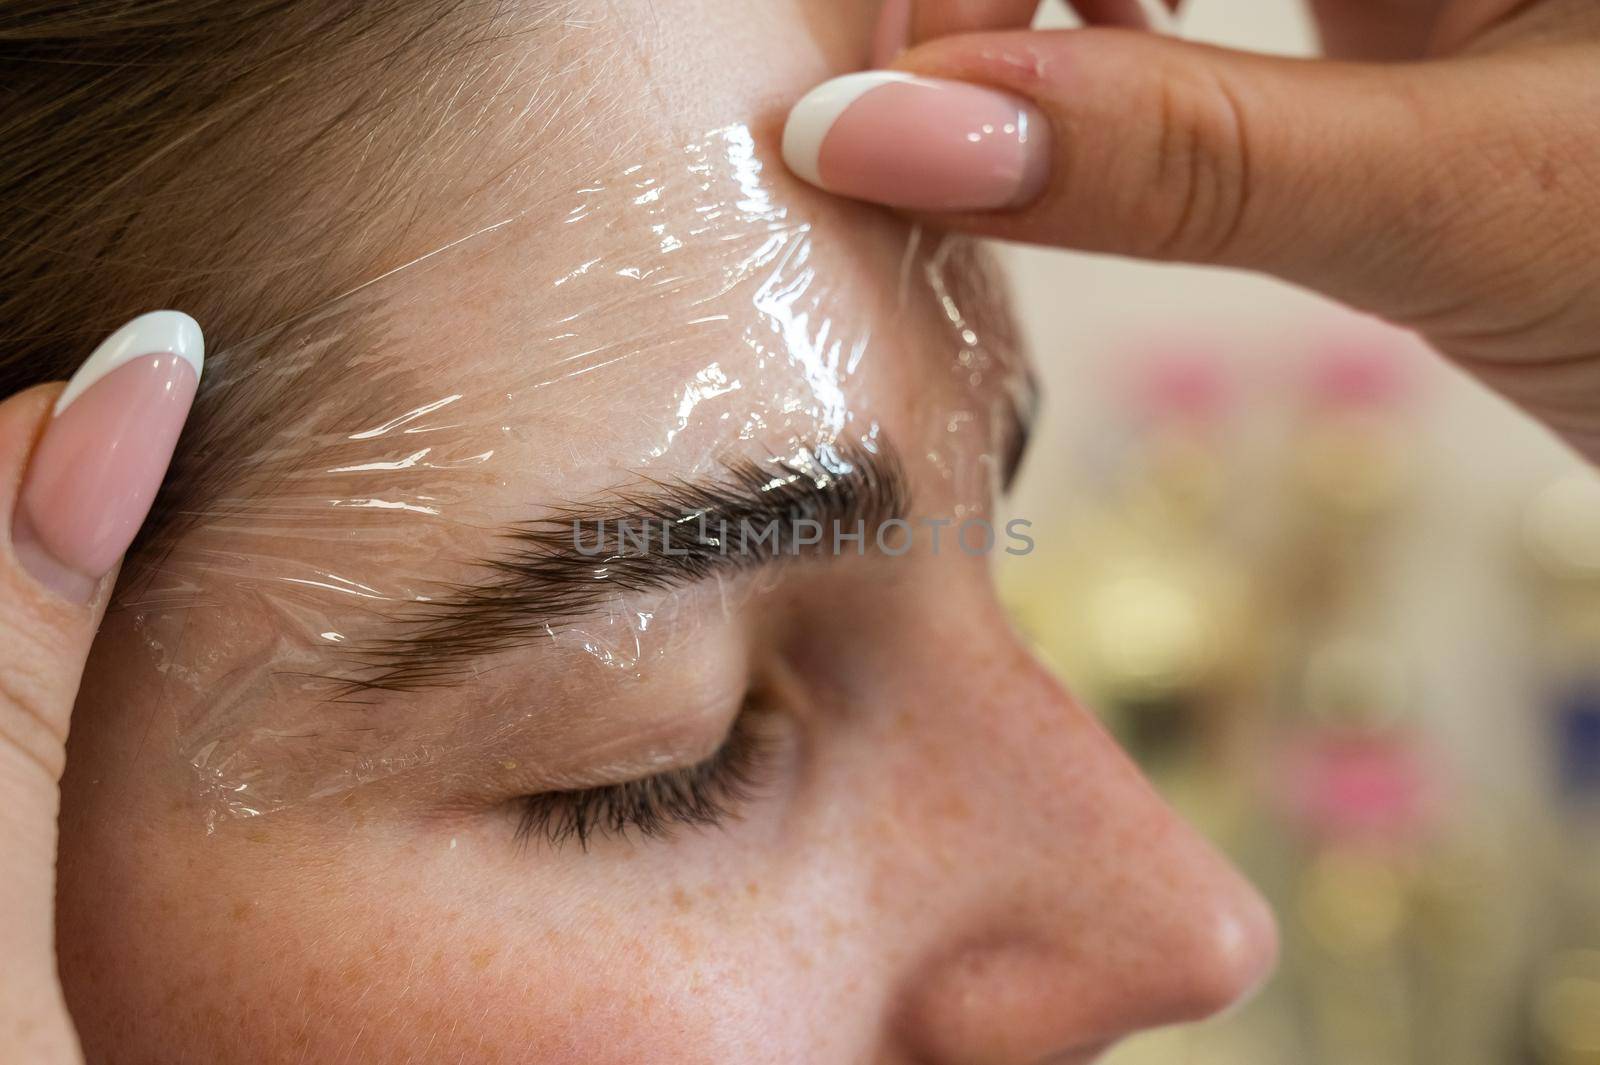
x=812 y=118
x=156 y=333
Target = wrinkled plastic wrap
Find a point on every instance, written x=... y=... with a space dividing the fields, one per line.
x=661 y=328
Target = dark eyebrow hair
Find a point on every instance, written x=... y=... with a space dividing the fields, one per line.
x=581 y=557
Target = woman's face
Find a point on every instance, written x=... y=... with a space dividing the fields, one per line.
x=351 y=775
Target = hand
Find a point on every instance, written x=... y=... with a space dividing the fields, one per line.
x=1456 y=192
x=79 y=467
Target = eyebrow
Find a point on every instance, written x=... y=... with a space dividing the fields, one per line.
x=651 y=535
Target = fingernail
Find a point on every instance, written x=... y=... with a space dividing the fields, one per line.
x=921 y=144
x=96 y=469
x=893 y=32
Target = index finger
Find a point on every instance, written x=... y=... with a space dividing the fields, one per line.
x=942 y=18
x=907 y=22
x=79 y=466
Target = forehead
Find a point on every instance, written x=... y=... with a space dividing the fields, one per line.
x=648 y=323
x=656 y=318
x=609 y=277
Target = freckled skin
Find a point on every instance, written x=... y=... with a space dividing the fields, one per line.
x=954 y=865
x=1055 y=904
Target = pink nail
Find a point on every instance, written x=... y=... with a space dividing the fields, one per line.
x=893 y=32
x=921 y=144
x=95 y=472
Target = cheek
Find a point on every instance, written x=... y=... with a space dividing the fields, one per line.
x=185 y=949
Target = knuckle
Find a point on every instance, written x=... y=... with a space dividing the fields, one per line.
x=35 y=699
x=26 y=725
x=1199 y=176
x=1502 y=233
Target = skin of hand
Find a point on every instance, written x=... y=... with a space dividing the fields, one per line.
x=44 y=641
x=79 y=468
x=1441 y=171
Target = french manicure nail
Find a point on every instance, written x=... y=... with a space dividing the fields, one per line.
x=96 y=469
x=893 y=32
x=921 y=144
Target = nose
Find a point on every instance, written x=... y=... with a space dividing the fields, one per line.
x=1073 y=906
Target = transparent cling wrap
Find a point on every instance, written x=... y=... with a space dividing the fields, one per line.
x=404 y=557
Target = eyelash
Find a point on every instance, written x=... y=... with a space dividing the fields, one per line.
x=701 y=795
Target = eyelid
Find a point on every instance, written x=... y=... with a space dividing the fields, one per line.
x=682 y=751
x=590 y=725
x=700 y=795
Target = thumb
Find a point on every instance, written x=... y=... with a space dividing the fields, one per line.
x=1394 y=187
x=79 y=467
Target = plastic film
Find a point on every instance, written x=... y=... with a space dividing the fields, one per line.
x=379 y=524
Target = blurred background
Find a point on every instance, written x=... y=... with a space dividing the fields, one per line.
x=1344 y=606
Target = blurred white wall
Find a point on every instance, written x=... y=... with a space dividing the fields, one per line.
x=1458 y=602
x=1459 y=616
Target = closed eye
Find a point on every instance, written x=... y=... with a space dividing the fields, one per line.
x=705 y=794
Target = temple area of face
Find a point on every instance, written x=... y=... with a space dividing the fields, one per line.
x=664 y=319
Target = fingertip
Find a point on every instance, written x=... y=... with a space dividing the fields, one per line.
x=155 y=333
x=22 y=421
x=103 y=452
x=893 y=33
x=818 y=112
x=918 y=143
x=930 y=19
x=1156 y=16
